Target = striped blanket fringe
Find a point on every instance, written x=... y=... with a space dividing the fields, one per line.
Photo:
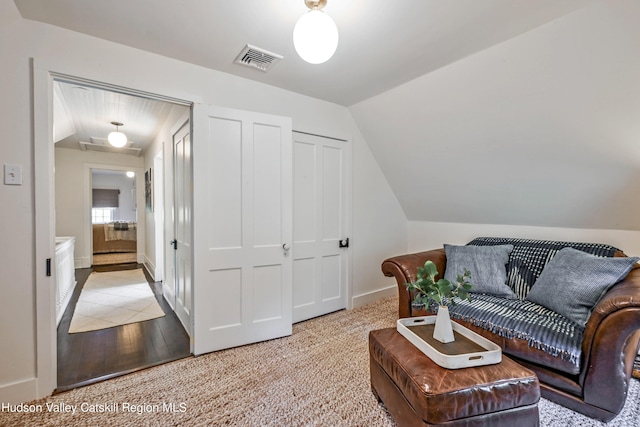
x=636 y=368
x=540 y=327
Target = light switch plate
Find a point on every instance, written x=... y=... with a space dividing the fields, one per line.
x=12 y=174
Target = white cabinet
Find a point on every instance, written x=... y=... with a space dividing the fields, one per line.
x=65 y=274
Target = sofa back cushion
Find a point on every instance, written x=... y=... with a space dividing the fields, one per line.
x=486 y=264
x=574 y=281
x=529 y=257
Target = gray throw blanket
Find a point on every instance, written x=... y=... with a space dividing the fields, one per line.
x=542 y=328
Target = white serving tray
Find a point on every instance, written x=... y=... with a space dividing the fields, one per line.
x=468 y=350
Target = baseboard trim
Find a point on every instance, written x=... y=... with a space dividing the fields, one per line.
x=82 y=262
x=19 y=392
x=150 y=267
x=369 y=297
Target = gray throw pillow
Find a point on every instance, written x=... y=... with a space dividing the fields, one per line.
x=487 y=265
x=573 y=282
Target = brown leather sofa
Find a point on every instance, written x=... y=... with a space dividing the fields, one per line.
x=609 y=346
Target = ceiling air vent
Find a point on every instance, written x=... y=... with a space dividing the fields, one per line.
x=101 y=145
x=255 y=57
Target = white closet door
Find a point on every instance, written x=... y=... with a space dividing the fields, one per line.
x=242 y=227
x=320 y=223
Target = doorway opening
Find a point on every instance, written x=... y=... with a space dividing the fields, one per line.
x=117 y=222
x=113 y=217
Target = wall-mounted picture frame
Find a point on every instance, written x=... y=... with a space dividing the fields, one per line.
x=148 y=190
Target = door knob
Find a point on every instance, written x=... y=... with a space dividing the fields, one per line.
x=286 y=246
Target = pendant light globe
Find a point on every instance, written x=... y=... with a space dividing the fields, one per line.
x=315 y=37
x=117 y=138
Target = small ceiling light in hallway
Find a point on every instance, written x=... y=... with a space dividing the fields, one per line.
x=117 y=138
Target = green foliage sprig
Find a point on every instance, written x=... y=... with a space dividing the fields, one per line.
x=442 y=292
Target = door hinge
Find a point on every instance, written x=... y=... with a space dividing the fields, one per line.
x=48 y=267
x=174 y=243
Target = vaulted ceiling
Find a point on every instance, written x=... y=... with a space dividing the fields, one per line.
x=492 y=111
x=82 y=117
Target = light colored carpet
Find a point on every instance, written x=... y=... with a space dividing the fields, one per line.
x=319 y=376
x=114 y=298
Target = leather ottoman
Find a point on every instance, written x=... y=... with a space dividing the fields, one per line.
x=417 y=392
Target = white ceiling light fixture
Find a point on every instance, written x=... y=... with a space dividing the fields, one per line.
x=315 y=35
x=131 y=174
x=117 y=138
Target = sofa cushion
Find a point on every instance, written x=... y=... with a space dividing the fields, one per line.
x=529 y=257
x=543 y=329
x=487 y=265
x=573 y=282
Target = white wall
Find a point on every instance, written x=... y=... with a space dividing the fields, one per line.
x=72 y=217
x=74 y=54
x=374 y=238
x=538 y=130
x=425 y=235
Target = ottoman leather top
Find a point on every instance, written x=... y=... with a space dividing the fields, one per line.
x=438 y=394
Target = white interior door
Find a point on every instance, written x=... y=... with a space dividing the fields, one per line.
x=169 y=228
x=321 y=189
x=158 y=217
x=182 y=243
x=242 y=218
x=169 y=282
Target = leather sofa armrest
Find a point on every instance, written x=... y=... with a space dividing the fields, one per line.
x=624 y=294
x=404 y=269
x=610 y=343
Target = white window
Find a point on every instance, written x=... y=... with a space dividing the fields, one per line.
x=102 y=215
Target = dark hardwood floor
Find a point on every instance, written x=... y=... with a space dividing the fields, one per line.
x=88 y=357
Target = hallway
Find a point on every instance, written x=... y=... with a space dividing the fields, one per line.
x=88 y=357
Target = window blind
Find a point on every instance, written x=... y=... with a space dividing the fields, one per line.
x=105 y=198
